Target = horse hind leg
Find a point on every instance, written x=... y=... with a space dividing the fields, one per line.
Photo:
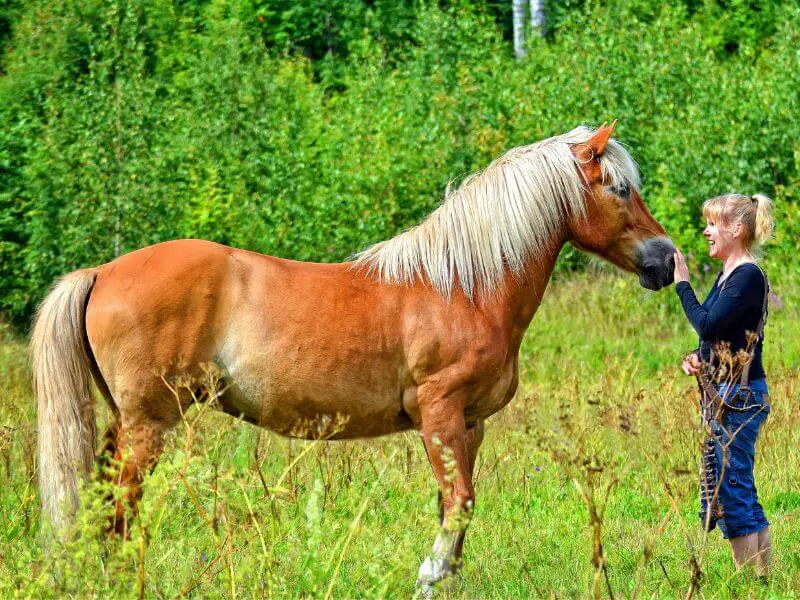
x=109 y=448
x=137 y=448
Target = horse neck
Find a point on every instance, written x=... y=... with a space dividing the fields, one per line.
x=520 y=295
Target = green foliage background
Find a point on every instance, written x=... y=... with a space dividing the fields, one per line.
x=310 y=130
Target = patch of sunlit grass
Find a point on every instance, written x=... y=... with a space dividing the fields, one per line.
x=587 y=482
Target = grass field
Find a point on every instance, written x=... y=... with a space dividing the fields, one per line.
x=603 y=419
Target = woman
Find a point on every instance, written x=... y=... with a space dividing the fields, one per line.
x=736 y=225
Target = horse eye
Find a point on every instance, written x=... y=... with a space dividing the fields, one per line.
x=623 y=190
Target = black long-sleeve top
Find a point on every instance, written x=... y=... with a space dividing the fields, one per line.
x=728 y=312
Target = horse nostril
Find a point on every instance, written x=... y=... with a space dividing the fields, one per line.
x=651 y=272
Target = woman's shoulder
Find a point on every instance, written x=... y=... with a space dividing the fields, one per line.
x=747 y=276
x=749 y=270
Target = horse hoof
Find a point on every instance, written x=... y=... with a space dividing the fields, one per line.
x=425 y=591
x=431 y=573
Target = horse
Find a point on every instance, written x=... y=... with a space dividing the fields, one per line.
x=419 y=332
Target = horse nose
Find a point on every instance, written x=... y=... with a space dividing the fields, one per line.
x=671 y=263
x=657 y=262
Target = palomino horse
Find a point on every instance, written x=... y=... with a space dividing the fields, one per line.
x=419 y=332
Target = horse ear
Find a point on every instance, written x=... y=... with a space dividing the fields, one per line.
x=596 y=145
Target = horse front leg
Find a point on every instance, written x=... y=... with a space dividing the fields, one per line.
x=446 y=442
x=474 y=440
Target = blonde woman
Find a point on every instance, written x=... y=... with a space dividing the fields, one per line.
x=735 y=226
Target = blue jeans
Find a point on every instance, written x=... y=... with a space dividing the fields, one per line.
x=743 y=514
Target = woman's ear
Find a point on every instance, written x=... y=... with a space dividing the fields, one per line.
x=737 y=230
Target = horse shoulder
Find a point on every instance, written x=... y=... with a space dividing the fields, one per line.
x=454 y=343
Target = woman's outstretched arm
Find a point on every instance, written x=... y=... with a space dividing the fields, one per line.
x=743 y=290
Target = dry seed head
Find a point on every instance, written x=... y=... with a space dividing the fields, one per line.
x=742 y=357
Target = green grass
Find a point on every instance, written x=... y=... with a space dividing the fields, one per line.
x=600 y=385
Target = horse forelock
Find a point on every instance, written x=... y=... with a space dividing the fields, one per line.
x=497 y=218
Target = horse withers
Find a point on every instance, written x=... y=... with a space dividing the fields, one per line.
x=421 y=331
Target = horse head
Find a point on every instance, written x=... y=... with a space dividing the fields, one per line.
x=617 y=225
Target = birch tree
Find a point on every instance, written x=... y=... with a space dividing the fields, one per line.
x=518 y=12
x=537 y=18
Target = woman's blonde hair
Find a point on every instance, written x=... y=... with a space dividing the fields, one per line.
x=753 y=212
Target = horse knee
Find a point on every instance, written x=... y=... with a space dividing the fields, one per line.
x=461 y=499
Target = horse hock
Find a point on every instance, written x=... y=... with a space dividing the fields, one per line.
x=138 y=449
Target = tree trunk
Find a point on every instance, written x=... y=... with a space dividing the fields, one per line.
x=537 y=18
x=518 y=12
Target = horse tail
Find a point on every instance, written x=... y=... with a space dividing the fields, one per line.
x=62 y=373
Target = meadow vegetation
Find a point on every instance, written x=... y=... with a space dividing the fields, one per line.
x=310 y=130
x=603 y=422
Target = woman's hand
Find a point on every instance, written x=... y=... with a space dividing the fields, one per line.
x=691 y=364
x=681 y=270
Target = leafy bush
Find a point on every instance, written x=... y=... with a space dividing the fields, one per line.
x=130 y=124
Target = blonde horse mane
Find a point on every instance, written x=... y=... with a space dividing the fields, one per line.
x=501 y=216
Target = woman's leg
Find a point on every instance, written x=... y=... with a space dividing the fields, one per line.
x=754 y=550
x=744 y=523
x=764 y=552
x=745 y=550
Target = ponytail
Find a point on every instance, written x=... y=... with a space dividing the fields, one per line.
x=765 y=222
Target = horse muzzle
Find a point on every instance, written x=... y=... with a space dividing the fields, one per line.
x=656 y=263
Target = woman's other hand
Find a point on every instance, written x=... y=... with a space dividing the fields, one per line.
x=681 y=270
x=691 y=364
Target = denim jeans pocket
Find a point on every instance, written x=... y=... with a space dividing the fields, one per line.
x=740 y=489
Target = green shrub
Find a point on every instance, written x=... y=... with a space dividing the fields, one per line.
x=129 y=124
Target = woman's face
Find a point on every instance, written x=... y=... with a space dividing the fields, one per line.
x=722 y=240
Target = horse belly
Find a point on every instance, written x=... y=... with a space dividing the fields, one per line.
x=298 y=399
